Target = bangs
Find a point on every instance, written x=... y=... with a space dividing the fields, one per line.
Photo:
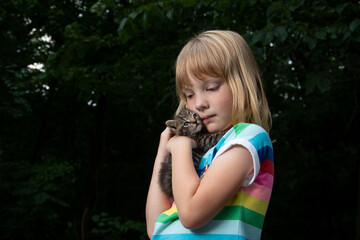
x=198 y=60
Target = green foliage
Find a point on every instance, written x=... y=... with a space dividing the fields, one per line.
x=108 y=227
x=37 y=192
x=81 y=132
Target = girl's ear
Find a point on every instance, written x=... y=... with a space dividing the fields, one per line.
x=171 y=124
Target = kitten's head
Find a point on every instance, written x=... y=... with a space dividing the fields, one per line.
x=186 y=123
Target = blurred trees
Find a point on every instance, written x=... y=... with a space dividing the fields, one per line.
x=87 y=85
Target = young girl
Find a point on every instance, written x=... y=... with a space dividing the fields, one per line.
x=227 y=197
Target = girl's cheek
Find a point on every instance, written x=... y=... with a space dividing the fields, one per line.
x=190 y=106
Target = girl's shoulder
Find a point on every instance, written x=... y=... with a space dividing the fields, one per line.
x=250 y=135
x=247 y=131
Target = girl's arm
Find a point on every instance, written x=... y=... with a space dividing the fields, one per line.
x=199 y=201
x=157 y=202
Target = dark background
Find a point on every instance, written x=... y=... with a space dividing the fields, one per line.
x=78 y=135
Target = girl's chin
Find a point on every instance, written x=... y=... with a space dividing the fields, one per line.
x=213 y=128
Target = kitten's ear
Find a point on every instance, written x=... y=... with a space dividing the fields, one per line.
x=171 y=124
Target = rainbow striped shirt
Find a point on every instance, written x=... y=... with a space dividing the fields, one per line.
x=243 y=216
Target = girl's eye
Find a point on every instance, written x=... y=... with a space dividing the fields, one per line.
x=186 y=124
x=213 y=89
x=189 y=96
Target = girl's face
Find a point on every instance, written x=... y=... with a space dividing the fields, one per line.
x=212 y=100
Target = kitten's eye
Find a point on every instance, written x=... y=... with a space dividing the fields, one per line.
x=194 y=115
x=186 y=124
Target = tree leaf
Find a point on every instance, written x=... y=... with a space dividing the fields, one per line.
x=280 y=33
x=295 y=4
x=310 y=84
x=323 y=84
x=169 y=14
x=354 y=24
x=122 y=24
x=267 y=38
x=99 y=8
x=311 y=43
x=189 y=3
x=320 y=35
x=340 y=8
x=257 y=37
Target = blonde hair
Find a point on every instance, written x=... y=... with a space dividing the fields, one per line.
x=225 y=54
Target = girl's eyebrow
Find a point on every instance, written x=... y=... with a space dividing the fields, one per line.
x=215 y=80
x=187 y=89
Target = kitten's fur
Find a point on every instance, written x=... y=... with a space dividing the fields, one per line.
x=187 y=123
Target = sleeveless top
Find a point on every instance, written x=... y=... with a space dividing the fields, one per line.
x=243 y=216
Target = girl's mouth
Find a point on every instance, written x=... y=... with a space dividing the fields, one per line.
x=208 y=118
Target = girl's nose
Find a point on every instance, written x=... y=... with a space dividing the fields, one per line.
x=201 y=103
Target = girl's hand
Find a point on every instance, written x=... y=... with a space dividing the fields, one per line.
x=165 y=136
x=180 y=142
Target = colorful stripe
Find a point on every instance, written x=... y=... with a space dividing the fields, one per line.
x=251 y=131
x=258 y=191
x=267 y=166
x=241 y=213
x=265 y=180
x=249 y=202
x=240 y=127
x=265 y=152
x=227 y=227
x=168 y=216
x=198 y=237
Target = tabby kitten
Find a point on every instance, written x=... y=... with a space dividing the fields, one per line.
x=187 y=123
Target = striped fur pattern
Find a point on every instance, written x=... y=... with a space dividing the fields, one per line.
x=187 y=123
